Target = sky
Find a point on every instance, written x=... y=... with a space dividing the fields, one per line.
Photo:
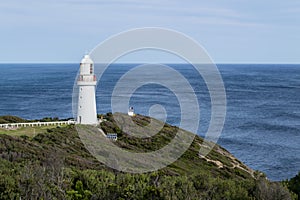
x=231 y=31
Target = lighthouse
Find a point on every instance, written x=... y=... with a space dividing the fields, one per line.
x=87 y=113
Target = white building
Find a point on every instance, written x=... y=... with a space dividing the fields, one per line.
x=112 y=136
x=131 y=112
x=87 y=113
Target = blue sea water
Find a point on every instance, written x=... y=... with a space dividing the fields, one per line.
x=262 y=126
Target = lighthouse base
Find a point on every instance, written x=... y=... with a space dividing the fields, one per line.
x=87 y=113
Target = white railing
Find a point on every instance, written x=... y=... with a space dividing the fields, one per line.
x=33 y=124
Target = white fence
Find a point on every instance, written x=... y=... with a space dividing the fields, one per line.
x=33 y=124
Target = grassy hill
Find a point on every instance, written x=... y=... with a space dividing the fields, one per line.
x=54 y=164
x=11 y=119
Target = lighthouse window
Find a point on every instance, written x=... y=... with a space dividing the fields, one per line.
x=80 y=97
x=91 y=68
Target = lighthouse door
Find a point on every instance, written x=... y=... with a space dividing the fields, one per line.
x=79 y=119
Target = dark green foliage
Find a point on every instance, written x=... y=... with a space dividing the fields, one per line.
x=79 y=193
x=53 y=181
x=294 y=185
x=11 y=119
x=56 y=165
x=189 y=163
x=49 y=119
x=8 y=183
x=64 y=142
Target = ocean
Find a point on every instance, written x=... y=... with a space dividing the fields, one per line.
x=262 y=126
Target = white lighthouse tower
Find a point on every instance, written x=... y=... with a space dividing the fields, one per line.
x=86 y=82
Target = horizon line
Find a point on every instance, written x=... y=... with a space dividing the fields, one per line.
x=217 y=63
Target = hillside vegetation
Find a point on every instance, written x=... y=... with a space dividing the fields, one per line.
x=11 y=119
x=54 y=164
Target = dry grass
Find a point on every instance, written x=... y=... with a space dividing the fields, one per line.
x=28 y=131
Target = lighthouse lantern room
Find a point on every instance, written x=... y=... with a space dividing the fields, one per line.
x=87 y=113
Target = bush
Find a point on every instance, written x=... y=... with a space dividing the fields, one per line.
x=294 y=185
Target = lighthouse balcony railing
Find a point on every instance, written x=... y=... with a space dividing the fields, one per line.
x=87 y=78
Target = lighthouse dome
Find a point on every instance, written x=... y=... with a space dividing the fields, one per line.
x=86 y=60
